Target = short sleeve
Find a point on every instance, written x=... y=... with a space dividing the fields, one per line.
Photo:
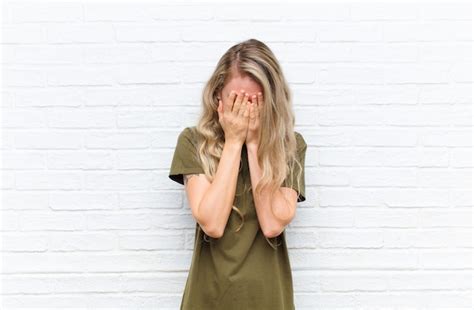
x=301 y=154
x=185 y=159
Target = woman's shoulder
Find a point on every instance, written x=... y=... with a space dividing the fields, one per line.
x=300 y=141
x=192 y=129
x=189 y=135
x=188 y=132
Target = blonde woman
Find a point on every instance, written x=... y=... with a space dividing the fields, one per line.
x=242 y=166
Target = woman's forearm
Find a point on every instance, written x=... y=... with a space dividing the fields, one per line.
x=273 y=212
x=216 y=205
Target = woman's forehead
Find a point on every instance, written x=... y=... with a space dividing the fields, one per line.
x=248 y=85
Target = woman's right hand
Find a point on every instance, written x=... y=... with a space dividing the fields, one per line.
x=234 y=114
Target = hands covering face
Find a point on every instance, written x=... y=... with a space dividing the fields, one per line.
x=240 y=118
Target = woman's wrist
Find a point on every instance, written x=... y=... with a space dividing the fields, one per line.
x=234 y=145
x=252 y=147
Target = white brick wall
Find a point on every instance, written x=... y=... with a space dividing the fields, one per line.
x=96 y=94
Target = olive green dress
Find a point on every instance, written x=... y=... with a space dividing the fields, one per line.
x=240 y=270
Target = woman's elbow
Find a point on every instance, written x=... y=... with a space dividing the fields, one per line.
x=213 y=232
x=272 y=233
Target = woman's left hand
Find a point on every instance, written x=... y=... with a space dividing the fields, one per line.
x=254 y=120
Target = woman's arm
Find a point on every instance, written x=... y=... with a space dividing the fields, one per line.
x=273 y=213
x=211 y=203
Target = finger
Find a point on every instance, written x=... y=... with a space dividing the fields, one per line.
x=254 y=98
x=254 y=105
x=255 y=115
x=252 y=111
x=257 y=109
x=218 y=103
x=244 y=105
x=230 y=102
x=219 y=109
x=248 y=108
x=222 y=101
x=247 y=111
x=237 y=102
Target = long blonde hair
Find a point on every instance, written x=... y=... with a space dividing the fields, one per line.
x=278 y=146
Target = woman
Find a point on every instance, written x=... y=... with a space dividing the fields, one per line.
x=243 y=170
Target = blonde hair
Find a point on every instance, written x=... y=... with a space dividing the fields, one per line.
x=277 y=148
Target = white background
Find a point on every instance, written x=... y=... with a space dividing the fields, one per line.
x=94 y=96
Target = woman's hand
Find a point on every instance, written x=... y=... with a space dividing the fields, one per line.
x=254 y=121
x=234 y=116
